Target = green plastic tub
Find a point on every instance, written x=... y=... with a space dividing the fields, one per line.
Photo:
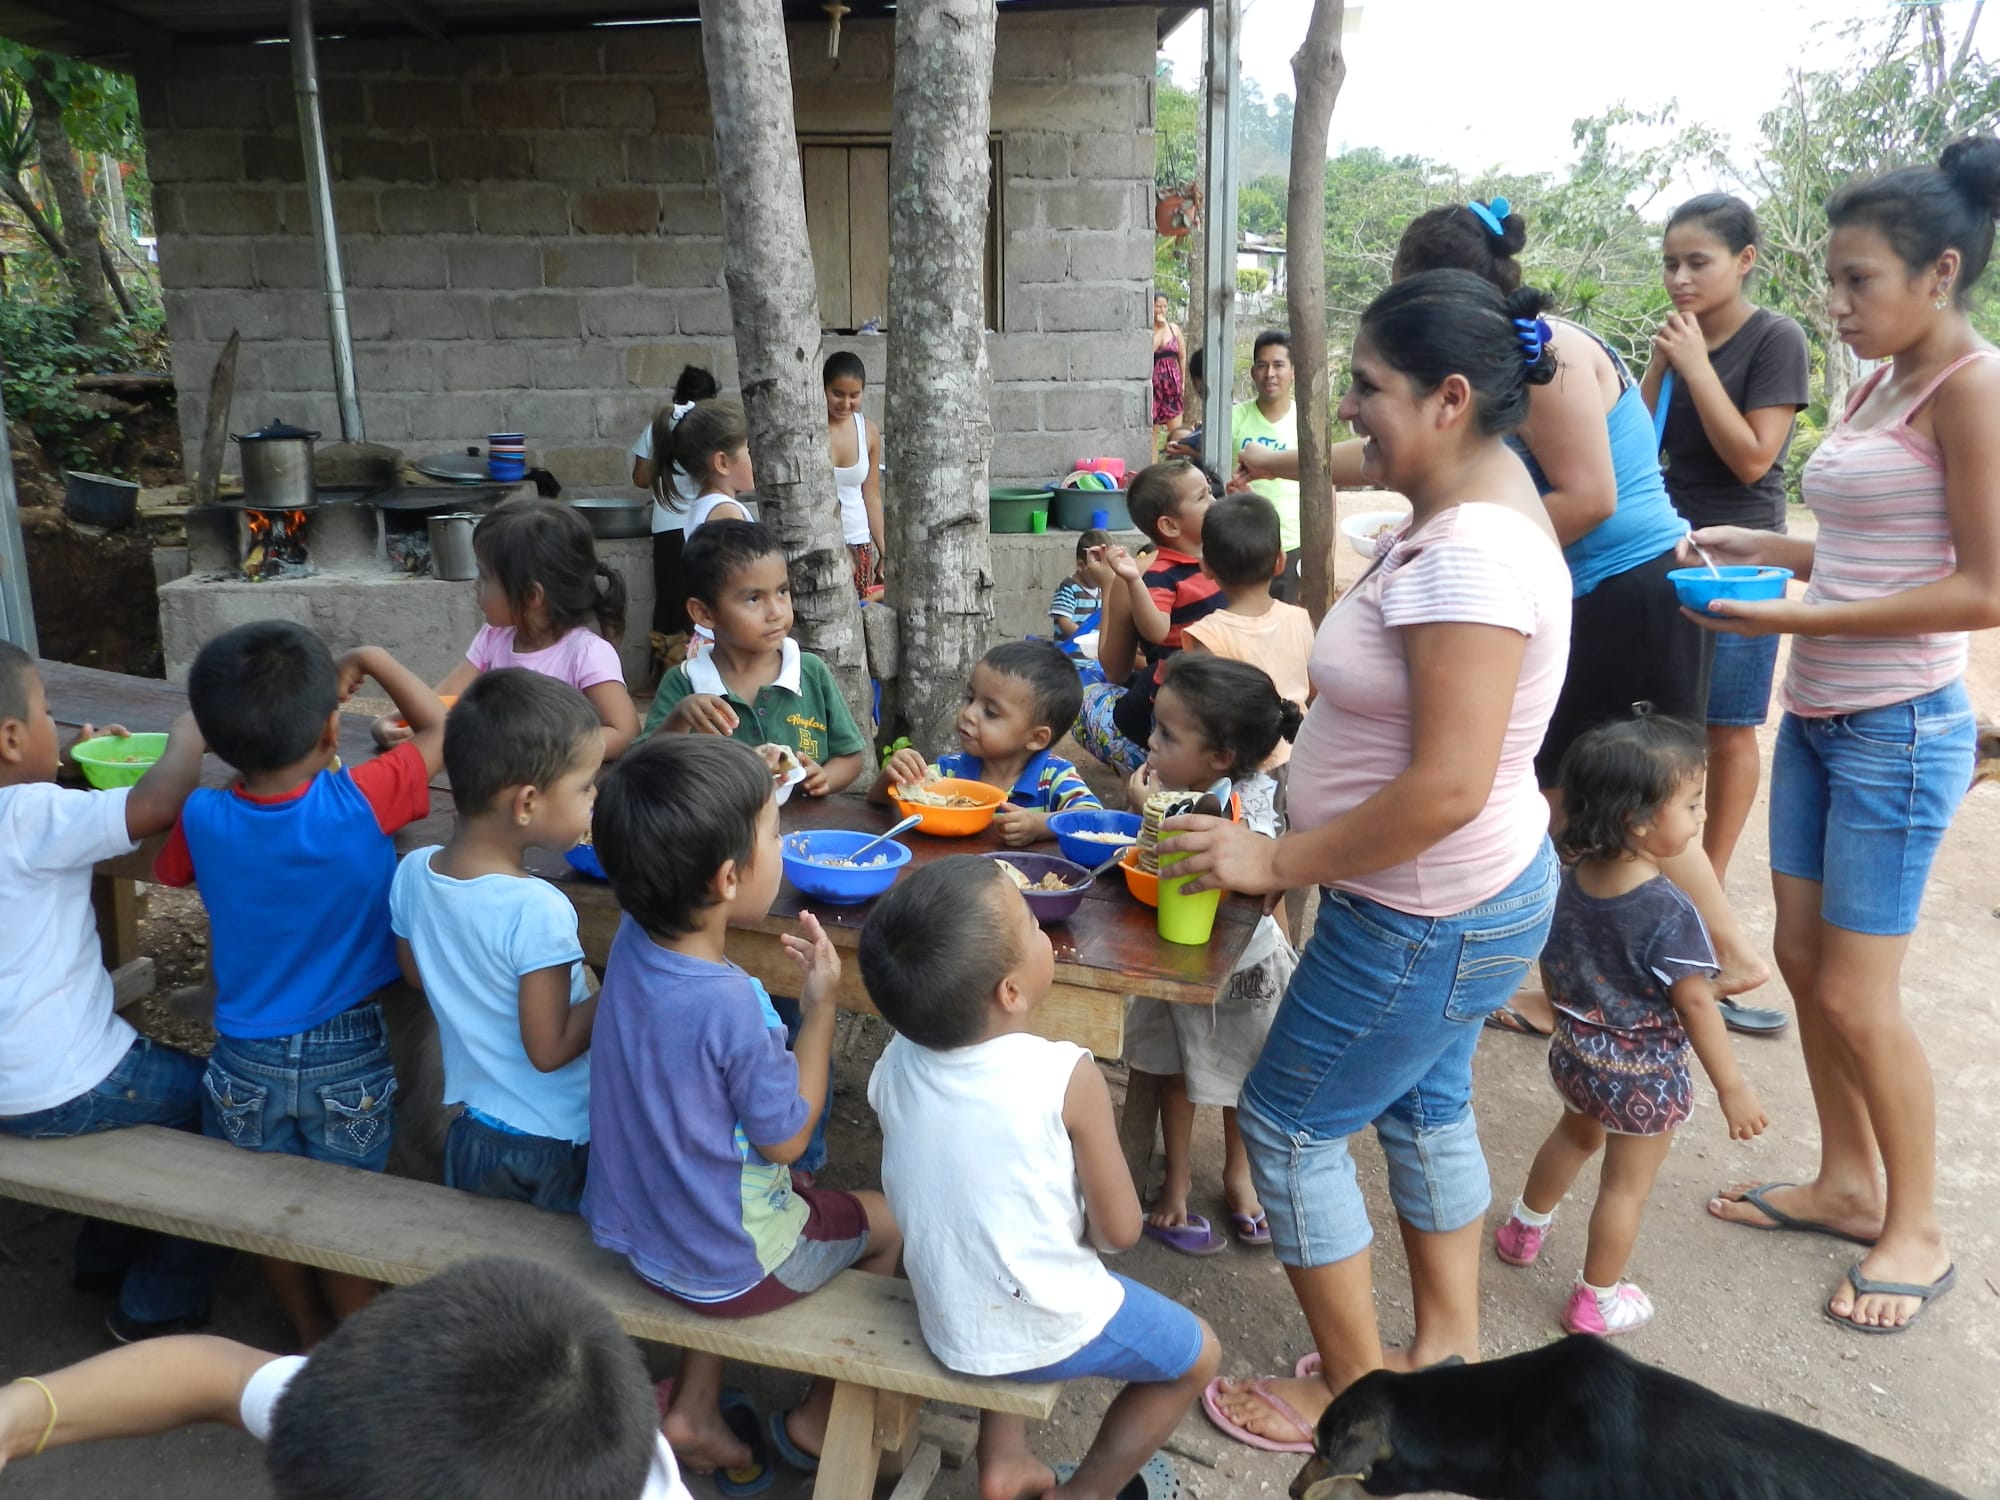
x=1013 y=511
x=113 y=760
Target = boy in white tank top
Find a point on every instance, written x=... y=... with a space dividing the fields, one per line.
x=1001 y=1146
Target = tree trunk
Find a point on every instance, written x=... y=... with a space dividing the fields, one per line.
x=1318 y=70
x=83 y=265
x=1197 y=319
x=775 y=309
x=16 y=192
x=939 y=421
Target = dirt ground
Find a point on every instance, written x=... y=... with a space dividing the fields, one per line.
x=1738 y=1311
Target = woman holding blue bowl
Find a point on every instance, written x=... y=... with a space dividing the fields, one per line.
x=1414 y=805
x=1876 y=746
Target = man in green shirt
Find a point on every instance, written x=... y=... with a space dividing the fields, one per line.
x=1271 y=420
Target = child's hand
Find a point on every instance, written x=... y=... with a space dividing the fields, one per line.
x=813 y=952
x=391 y=730
x=1745 y=1115
x=907 y=767
x=351 y=670
x=702 y=713
x=1098 y=568
x=67 y=762
x=1122 y=563
x=816 y=783
x=1143 y=783
x=1020 y=826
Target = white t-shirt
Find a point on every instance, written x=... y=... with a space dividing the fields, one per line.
x=262 y=1390
x=708 y=504
x=664 y=517
x=981 y=1174
x=59 y=1036
x=847 y=483
x=473 y=940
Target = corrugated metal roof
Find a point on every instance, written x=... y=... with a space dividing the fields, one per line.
x=118 y=32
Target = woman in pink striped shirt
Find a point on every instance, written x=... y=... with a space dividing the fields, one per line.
x=1876 y=747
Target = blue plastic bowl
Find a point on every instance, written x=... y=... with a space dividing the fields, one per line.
x=838 y=884
x=583 y=858
x=1697 y=587
x=1088 y=852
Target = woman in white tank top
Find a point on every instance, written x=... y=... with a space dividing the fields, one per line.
x=858 y=481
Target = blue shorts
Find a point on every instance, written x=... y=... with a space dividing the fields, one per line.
x=327 y=1093
x=1739 y=680
x=1378 y=1028
x=1860 y=803
x=1150 y=1340
x=484 y=1156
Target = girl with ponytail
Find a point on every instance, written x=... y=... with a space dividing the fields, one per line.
x=1876 y=746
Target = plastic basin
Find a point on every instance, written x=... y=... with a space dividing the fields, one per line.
x=583 y=859
x=1697 y=588
x=1074 y=508
x=1049 y=906
x=1089 y=853
x=110 y=760
x=1137 y=881
x=953 y=822
x=1011 y=512
x=841 y=885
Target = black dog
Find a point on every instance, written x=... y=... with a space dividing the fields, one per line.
x=1579 y=1420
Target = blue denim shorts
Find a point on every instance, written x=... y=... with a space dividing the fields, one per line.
x=1860 y=803
x=1739 y=680
x=484 y=1156
x=1378 y=1028
x=1150 y=1340
x=327 y=1093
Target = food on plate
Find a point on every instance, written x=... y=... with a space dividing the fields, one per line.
x=802 y=851
x=1103 y=836
x=1049 y=882
x=919 y=794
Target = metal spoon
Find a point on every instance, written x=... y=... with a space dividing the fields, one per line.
x=1713 y=570
x=903 y=827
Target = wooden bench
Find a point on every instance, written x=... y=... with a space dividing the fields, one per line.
x=860 y=1331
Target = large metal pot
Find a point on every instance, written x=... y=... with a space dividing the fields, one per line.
x=613 y=520
x=278 y=467
x=451 y=547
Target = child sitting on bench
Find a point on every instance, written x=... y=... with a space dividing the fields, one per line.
x=510 y=1382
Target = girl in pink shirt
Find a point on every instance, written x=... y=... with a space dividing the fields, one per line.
x=1877 y=742
x=1415 y=808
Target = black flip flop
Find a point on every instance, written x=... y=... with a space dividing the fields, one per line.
x=1784 y=1223
x=1511 y=1021
x=1863 y=1287
x=1753 y=1020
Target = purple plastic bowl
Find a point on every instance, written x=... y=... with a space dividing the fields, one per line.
x=1049 y=906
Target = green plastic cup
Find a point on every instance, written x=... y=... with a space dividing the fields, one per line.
x=1038 y=521
x=1183 y=918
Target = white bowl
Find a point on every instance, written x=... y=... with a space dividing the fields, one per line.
x=1362 y=531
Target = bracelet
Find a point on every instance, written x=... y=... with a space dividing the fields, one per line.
x=48 y=1431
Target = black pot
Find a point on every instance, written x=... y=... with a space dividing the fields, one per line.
x=97 y=500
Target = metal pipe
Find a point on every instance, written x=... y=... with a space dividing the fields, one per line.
x=326 y=235
x=17 y=609
x=1224 y=83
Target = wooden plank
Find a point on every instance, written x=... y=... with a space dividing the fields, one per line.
x=118 y=906
x=825 y=170
x=859 y=1328
x=131 y=983
x=215 y=423
x=918 y=1473
x=868 y=235
x=848 y=1458
x=1138 y=1123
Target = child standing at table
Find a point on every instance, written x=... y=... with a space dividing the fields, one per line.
x=1000 y=1149
x=696 y=1108
x=1243 y=551
x=496 y=950
x=1022 y=696
x=69 y=1063
x=1632 y=977
x=1215 y=720
x=294 y=862
x=550 y=606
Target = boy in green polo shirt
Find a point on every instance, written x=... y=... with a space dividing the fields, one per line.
x=755 y=684
x=1271 y=420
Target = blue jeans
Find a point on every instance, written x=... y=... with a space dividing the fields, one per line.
x=1378 y=1028
x=165 y=1279
x=814 y=1156
x=1739 y=680
x=1860 y=803
x=1150 y=1340
x=326 y=1094
x=484 y=1157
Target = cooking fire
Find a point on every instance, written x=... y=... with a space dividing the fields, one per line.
x=275 y=544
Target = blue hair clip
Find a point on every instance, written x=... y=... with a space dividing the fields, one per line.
x=1493 y=215
x=1534 y=334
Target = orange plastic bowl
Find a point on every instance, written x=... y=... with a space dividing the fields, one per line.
x=447 y=699
x=1137 y=881
x=953 y=822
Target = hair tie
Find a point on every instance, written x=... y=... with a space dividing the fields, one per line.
x=1535 y=335
x=1493 y=215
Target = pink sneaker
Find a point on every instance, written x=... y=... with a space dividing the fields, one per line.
x=1518 y=1242
x=1625 y=1309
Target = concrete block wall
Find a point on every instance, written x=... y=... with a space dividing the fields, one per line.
x=532 y=234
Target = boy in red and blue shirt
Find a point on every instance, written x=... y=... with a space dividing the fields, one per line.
x=294 y=862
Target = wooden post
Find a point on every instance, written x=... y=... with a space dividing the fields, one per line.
x=849 y=1459
x=1222 y=89
x=1138 y=1122
x=118 y=904
x=1318 y=69
x=938 y=422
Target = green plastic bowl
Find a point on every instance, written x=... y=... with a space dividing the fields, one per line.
x=110 y=761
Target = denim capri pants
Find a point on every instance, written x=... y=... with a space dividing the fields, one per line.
x=1860 y=803
x=1378 y=1028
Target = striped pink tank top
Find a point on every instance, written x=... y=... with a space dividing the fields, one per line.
x=1879 y=496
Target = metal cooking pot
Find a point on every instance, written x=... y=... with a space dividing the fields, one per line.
x=451 y=547
x=278 y=467
x=616 y=519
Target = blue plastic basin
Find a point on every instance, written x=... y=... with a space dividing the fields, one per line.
x=839 y=884
x=1696 y=588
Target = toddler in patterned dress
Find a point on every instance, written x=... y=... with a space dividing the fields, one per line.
x=1630 y=969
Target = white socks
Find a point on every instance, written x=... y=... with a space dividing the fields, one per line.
x=1529 y=1217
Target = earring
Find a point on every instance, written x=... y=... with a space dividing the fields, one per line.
x=1943 y=296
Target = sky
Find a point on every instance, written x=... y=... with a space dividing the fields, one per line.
x=1479 y=83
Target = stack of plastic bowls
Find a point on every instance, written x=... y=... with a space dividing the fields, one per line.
x=506 y=456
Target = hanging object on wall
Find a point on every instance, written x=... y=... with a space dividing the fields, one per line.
x=1176 y=210
x=834 y=11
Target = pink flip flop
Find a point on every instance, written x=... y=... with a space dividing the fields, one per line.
x=1307 y=1367
x=1261 y=1389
